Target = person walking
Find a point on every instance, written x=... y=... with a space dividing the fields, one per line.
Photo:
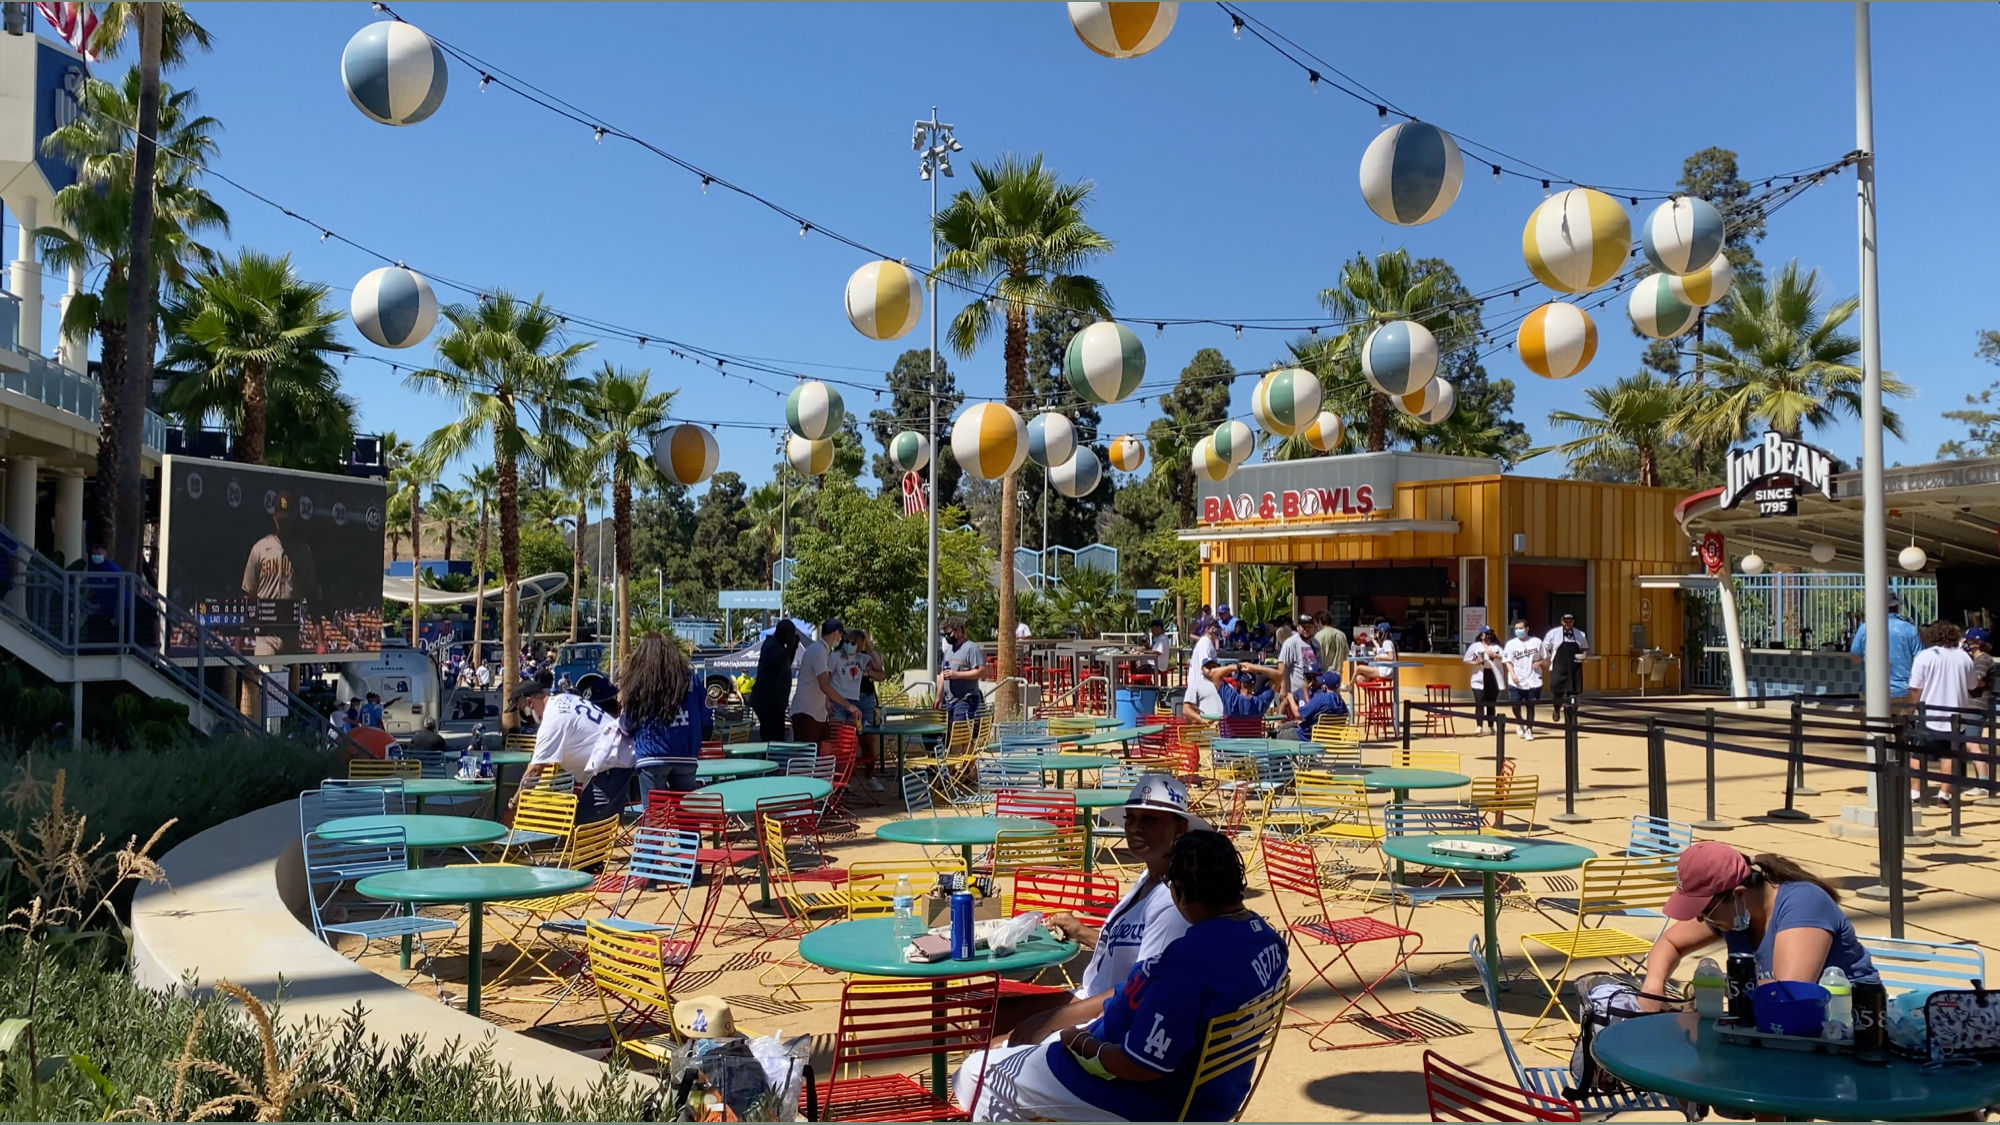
x=958 y=680
x=1487 y=659
x=1565 y=645
x=1525 y=658
x=773 y=685
x=817 y=697
x=663 y=708
x=1904 y=644
x=1979 y=646
x=1941 y=687
x=1331 y=643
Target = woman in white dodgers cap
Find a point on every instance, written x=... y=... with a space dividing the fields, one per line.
x=1154 y=815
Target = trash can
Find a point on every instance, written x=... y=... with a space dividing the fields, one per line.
x=1136 y=704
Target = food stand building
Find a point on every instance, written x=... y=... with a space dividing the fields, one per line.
x=1444 y=545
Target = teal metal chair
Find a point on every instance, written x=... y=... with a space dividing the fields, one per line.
x=330 y=864
x=1907 y=963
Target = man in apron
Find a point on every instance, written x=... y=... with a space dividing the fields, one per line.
x=1566 y=646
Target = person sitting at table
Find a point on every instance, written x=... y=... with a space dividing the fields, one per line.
x=576 y=735
x=1155 y=814
x=1380 y=655
x=1223 y=697
x=427 y=740
x=1237 y=636
x=663 y=706
x=1322 y=701
x=1135 y=1061
x=1764 y=905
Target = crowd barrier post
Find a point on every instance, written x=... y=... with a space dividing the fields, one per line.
x=1953 y=838
x=1409 y=708
x=1571 y=769
x=1499 y=747
x=1710 y=823
x=1656 y=770
x=1795 y=767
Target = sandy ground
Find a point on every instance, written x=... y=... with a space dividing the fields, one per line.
x=1955 y=891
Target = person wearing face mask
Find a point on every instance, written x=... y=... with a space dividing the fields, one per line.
x=1565 y=645
x=863 y=665
x=1764 y=905
x=1524 y=657
x=1485 y=656
x=817 y=697
x=958 y=679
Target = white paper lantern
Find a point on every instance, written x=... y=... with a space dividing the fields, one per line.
x=814 y=411
x=393 y=307
x=1399 y=357
x=989 y=439
x=884 y=300
x=1823 y=552
x=1122 y=30
x=1752 y=563
x=1051 y=439
x=1411 y=173
x=1079 y=475
x=1912 y=558
x=394 y=73
x=686 y=454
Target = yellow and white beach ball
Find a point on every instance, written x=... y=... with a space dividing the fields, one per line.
x=1326 y=432
x=1122 y=31
x=1104 y=363
x=1411 y=173
x=394 y=73
x=1051 y=439
x=686 y=454
x=1556 y=340
x=814 y=411
x=1682 y=234
x=909 y=451
x=885 y=300
x=1708 y=284
x=1576 y=240
x=809 y=457
x=1655 y=311
x=1286 y=400
x=1208 y=464
x=393 y=307
x=1127 y=453
x=1399 y=357
x=989 y=439
x=1431 y=405
x=1079 y=475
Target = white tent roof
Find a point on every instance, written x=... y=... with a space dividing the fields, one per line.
x=400 y=590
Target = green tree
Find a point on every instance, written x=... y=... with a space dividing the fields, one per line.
x=1979 y=420
x=450 y=513
x=621 y=413
x=1089 y=601
x=1711 y=174
x=1198 y=403
x=776 y=509
x=909 y=409
x=1020 y=236
x=250 y=334
x=722 y=547
x=663 y=522
x=481 y=485
x=497 y=358
x=1631 y=415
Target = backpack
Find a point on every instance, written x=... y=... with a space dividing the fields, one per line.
x=1602 y=1000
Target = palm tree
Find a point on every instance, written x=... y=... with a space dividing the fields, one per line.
x=772 y=507
x=497 y=358
x=1778 y=362
x=622 y=413
x=553 y=507
x=1630 y=414
x=1021 y=237
x=250 y=327
x=481 y=483
x=450 y=511
x=1370 y=294
x=412 y=471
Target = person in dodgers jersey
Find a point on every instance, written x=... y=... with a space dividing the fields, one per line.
x=574 y=734
x=1155 y=814
x=1135 y=1061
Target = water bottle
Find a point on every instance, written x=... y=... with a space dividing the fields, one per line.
x=1839 y=1025
x=907 y=924
x=961 y=926
x=1709 y=989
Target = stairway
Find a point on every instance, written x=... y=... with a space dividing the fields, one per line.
x=78 y=627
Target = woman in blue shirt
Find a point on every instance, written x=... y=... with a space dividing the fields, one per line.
x=1765 y=905
x=664 y=707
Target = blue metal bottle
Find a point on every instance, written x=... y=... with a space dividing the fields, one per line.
x=961 y=926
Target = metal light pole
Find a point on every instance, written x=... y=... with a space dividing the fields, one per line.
x=934 y=139
x=1874 y=506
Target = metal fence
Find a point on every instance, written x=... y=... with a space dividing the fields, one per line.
x=1789 y=611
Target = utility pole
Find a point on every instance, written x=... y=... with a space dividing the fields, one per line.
x=934 y=139
x=1874 y=507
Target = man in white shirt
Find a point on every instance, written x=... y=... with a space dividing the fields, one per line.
x=1021 y=631
x=1162 y=647
x=582 y=737
x=1523 y=656
x=1205 y=647
x=1565 y=646
x=817 y=697
x=1941 y=687
x=482 y=677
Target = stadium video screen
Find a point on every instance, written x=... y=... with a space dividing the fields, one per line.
x=283 y=566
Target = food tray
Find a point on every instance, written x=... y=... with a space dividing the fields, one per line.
x=1473 y=849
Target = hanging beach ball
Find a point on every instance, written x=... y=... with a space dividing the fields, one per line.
x=1708 y=284
x=1233 y=442
x=1431 y=405
x=393 y=73
x=1079 y=475
x=1557 y=340
x=990 y=440
x=1576 y=240
x=1655 y=311
x=814 y=411
x=809 y=457
x=1208 y=464
x=393 y=307
x=1051 y=439
x=686 y=454
x=1752 y=563
x=1326 y=432
x=1682 y=234
x=1823 y=552
x=1912 y=558
x=1122 y=31
x=1104 y=363
x=1285 y=401
x=885 y=300
x=1399 y=357
x=1127 y=453
x=909 y=451
x=1411 y=173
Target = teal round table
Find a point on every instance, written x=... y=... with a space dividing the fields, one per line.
x=1529 y=856
x=1399 y=782
x=420 y=831
x=1092 y=800
x=760 y=749
x=1062 y=764
x=902 y=732
x=739 y=798
x=1683 y=1056
x=473 y=886
x=509 y=757
x=870 y=945
x=425 y=787
x=712 y=769
x=1120 y=735
x=960 y=832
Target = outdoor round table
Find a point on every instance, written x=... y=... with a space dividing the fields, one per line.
x=1089 y=801
x=1684 y=1056
x=1062 y=764
x=901 y=731
x=1529 y=856
x=869 y=945
x=760 y=749
x=1399 y=782
x=424 y=787
x=501 y=759
x=1119 y=735
x=740 y=797
x=961 y=832
x=714 y=769
x=420 y=831
x=474 y=886
x=1267 y=747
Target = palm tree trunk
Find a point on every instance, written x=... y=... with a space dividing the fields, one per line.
x=1010 y=516
x=416 y=562
x=576 y=569
x=621 y=549
x=1649 y=466
x=128 y=528
x=510 y=572
x=1378 y=421
x=110 y=437
x=450 y=525
x=250 y=442
x=479 y=585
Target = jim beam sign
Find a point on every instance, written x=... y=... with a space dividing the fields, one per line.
x=1770 y=474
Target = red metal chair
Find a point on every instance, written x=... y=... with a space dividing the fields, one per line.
x=700 y=813
x=1240 y=726
x=1055 y=890
x=886 y=1021
x=799 y=819
x=1291 y=867
x=1056 y=806
x=1458 y=1094
x=1378 y=709
x=1438 y=722
x=713 y=750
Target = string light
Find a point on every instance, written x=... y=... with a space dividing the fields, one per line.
x=1236 y=27
x=805 y=229
x=485 y=80
x=1312 y=80
x=599 y=133
x=705 y=181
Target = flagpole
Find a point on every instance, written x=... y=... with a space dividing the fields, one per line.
x=1874 y=528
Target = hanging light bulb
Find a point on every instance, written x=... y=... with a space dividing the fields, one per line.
x=805 y=229
x=1496 y=173
x=1236 y=27
x=1239 y=331
x=1752 y=563
x=705 y=180
x=1912 y=558
x=1160 y=331
x=1312 y=80
x=598 y=133
x=485 y=80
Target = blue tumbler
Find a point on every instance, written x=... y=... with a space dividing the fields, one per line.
x=961 y=926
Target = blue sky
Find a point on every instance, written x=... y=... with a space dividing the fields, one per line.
x=1229 y=187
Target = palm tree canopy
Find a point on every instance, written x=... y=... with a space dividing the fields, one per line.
x=499 y=357
x=624 y=412
x=1633 y=412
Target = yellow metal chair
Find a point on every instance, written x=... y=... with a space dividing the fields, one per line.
x=589 y=846
x=542 y=817
x=518 y=743
x=871 y=887
x=1232 y=1039
x=1317 y=798
x=1495 y=797
x=1348 y=824
x=1610 y=888
x=1446 y=760
x=799 y=907
x=952 y=769
x=1014 y=850
x=371 y=769
x=630 y=970
x=1339 y=741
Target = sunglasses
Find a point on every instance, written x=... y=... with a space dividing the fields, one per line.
x=1715 y=904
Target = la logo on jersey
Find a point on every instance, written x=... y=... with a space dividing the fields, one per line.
x=1158 y=1043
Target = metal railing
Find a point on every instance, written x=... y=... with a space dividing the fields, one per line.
x=88 y=613
x=52 y=384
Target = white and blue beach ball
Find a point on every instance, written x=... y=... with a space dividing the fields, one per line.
x=393 y=307
x=1051 y=439
x=1399 y=357
x=1079 y=475
x=1682 y=235
x=393 y=73
x=1411 y=173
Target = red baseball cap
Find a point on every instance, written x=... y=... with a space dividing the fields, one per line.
x=1706 y=869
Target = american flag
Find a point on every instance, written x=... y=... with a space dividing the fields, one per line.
x=74 y=24
x=914 y=500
